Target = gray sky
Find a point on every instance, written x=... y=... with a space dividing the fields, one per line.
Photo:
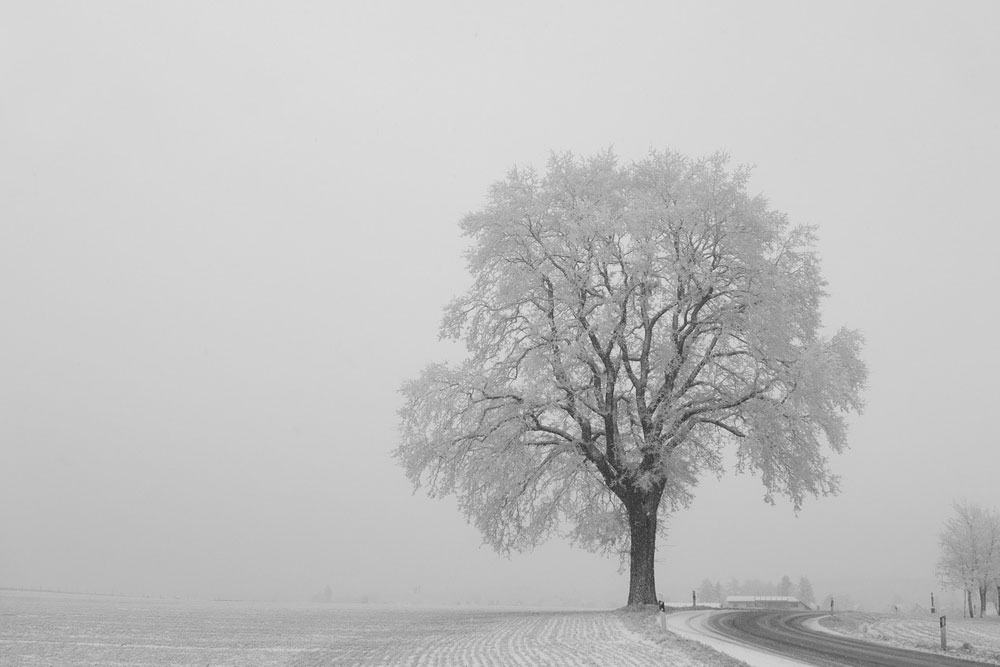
x=227 y=231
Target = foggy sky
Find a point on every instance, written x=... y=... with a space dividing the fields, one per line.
x=228 y=230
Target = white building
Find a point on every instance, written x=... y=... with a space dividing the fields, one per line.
x=782 y=602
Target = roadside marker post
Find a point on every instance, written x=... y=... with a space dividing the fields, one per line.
x=944 y=633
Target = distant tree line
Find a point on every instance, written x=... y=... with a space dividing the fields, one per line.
x=970 y=556
x=718 y=592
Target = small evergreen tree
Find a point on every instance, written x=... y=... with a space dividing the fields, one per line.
x=805 y=591
x=707 y=592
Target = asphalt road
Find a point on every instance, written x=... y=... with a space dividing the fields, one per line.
x=785 y=634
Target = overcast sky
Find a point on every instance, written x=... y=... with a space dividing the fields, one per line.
x=227 y=232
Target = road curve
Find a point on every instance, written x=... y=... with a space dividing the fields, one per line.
x=694 y=625
x=784 y=633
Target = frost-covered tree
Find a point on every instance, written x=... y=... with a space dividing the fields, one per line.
x=970 y=552
x=758 y=587
x=805 y=591
x=785 y=587
x=627 y=323
x=707 y=592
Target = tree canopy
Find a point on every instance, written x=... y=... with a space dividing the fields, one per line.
x=626 y=323
x=970 y=552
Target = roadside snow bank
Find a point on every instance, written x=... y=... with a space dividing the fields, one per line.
x=973 y=638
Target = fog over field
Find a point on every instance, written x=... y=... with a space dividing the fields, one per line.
x=228 y=230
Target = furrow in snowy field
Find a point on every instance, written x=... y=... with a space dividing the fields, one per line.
x=98 y=631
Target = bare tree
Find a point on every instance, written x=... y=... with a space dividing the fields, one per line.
x=626 y=324
x=970 y=552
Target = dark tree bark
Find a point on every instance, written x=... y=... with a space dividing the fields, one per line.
x=642 y=516
x=983 y=589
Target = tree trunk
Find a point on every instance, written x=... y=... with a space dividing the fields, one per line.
x=642 y=509
x=982 y=599
x=968 y=598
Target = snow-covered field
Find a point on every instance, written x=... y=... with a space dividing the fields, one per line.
x=924 y=632
x=77 y=630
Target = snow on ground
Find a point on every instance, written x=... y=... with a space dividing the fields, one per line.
x=922 y=632
x=698 y=651
x=692 y=625
x=76 y=630
x=524 y=640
